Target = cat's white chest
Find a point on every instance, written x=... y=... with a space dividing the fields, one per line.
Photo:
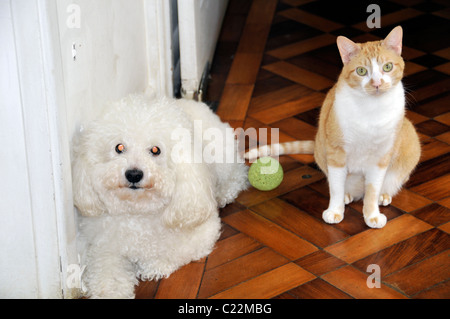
x=368 y=124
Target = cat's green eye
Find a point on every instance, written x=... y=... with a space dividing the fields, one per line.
x=387 y=67
x=361 y=71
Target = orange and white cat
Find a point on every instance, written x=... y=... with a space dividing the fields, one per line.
x=364 y=144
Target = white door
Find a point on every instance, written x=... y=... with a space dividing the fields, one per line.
x=199 y=23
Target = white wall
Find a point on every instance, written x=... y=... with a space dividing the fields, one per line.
x=110 y=53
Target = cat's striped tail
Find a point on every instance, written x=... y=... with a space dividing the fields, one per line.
x=296 y=147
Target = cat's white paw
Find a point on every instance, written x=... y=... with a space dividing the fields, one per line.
x=332 y=216
x=348 y=199
x=376 y=221
x=384 y=200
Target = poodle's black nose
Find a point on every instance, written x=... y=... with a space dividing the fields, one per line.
x=134 y=175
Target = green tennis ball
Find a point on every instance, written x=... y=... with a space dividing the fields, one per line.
x=265 y=174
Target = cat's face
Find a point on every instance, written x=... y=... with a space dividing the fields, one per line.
x=373 y=67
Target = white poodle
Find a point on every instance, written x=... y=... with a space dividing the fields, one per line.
x=148 y=178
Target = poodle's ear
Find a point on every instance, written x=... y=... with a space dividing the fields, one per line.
x=192 y=201
x=84 y=195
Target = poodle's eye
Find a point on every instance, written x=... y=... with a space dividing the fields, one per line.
x=120 y=148
x=155 y=150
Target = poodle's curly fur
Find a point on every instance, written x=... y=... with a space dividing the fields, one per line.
x=145 y=214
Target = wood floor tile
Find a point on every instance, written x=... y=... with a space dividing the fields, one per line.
x=444 y=118
x=253 y=39
x=269 y=284
x=308 y=201
x=269 y=82
x=291 y=108
x=298 y=75
x=301 y=223
x=431 y=90
x=231 y=209
x=444 y=68
x=320 y=262
x=435 y=189
x=182 y=284
x=433 y=214
x=297 y=48
x=234 y=102
x=227 y=231
x=445 y=202
x=408 y=252
x=445 y=227
x=433 y=108
x=433 y=148
x=432 y=128
x=248 y=266
x=354 y=283
x=244 y=69
x=409 y=53
x=412 y=68
x=444 y=137
x=146 y=289
x=231 y=248
x=409 y=201
x=279 y=239
x=312 y=20
x=430 y=169
x=414 y=117
x=261 y=12
x=314 y=62
x=373 y=240
x=318 y=289
x=277 y=97
x=295 y=3
x=422 y=275
x=440 y=291
x=445 y=53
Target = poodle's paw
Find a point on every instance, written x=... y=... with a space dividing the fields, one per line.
x=348 y=199
x=117 y=283
x=113 y=289
x=332 y=216
x=376 y=220
x=155 y=270
x=384 y=200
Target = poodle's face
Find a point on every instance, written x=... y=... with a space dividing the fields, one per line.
x=122 y=162
x=134 y=170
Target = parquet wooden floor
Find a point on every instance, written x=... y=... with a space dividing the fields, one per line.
x=274 y=63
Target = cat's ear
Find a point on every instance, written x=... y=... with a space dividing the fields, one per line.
x=347 y=48
x=394 y=40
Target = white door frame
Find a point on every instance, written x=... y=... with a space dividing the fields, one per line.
x=37 y=226
x=199 y=24
x=159 y=46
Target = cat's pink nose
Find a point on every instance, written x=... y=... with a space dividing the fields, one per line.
x=376 y=83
